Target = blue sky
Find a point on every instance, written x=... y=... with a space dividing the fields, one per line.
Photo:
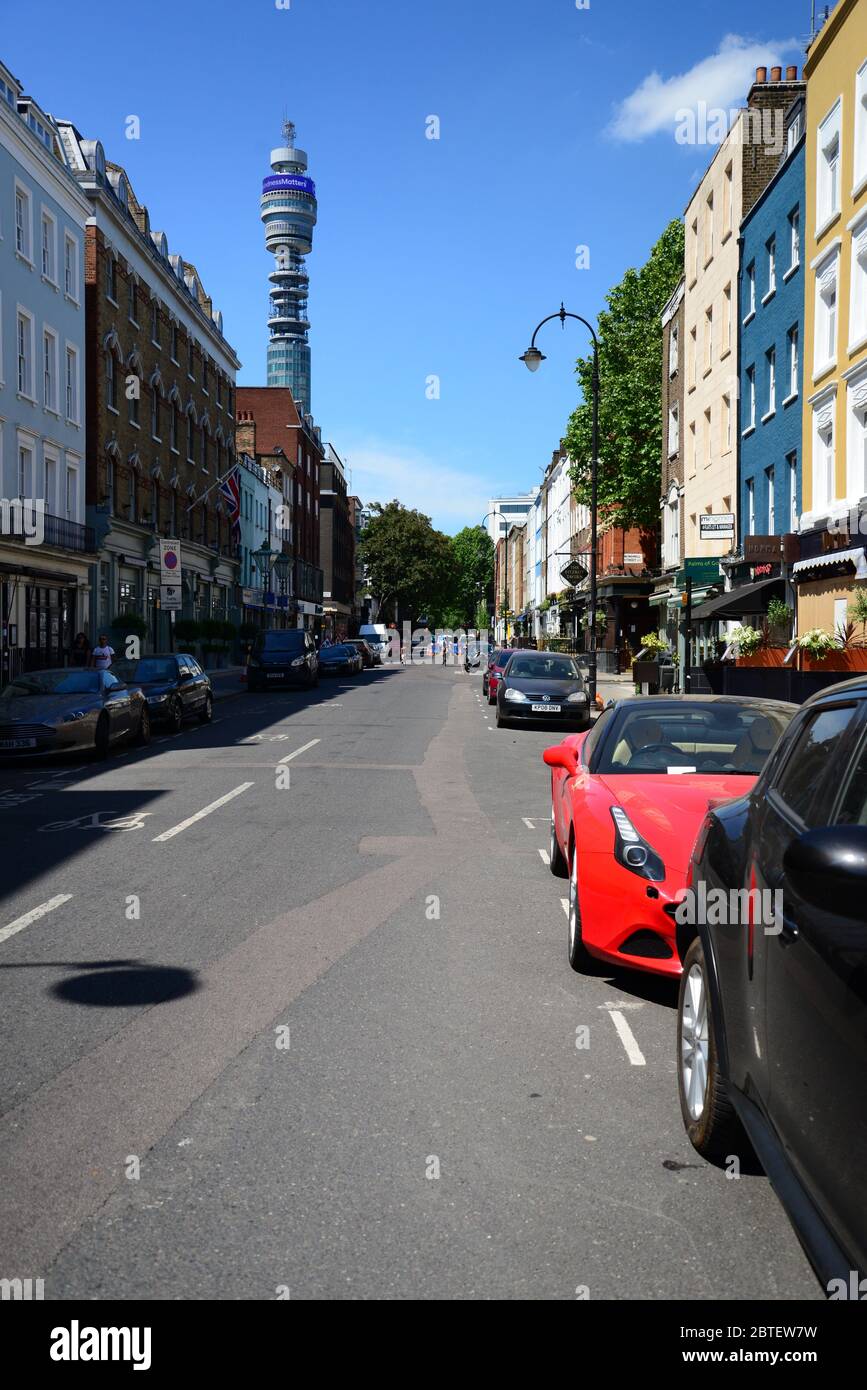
x=431 y=257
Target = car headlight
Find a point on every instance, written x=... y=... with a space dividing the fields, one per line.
x=299 y=661
x=71 y=718
x=157 y=699
x=632 y=850
x=578 y=697
x=510 y=693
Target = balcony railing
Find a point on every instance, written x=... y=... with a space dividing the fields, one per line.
x=58 y=532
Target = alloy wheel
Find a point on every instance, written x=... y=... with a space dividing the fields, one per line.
x=694 y=1048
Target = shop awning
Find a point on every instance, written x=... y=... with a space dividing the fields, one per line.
x=737 y=603
x=854 y=557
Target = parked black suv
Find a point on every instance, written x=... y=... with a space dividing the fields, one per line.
x=175 y=687
x=772 y=1017
x=283 y=658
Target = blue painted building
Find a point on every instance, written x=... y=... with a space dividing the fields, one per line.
x=770 y=337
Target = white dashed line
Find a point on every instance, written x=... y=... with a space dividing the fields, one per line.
x=544 y=856
x=200 y=815
x=564 y=903
x=627 y=1037
x=298 y=751
x=33 y=915
x=529 y=824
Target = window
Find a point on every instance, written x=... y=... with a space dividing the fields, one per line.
x=694 y=247
x=25 y=471
x=708 y=338
x=71 y=493
x=808 y=761
x=25 y=354
x=858 y=289
x=133 y=498
x=692 y=359
x=792 y=469
x=672 y=355
x=155 y=412
x=72 y=385
x=133 y=406
x=826 y=314
x=708 y=440
x=828 y=168
x=49 y=247
x=771 y=248
x=771 y=358
x=726 y=423
x=673 y=431
x=691 y=450
x=173 y=436
x=174 y=342
x=792 y=354
x=220 y=379
x=860 y=160
x=794 y=238
x=155 y=323
x=751 y=290
x=823 y=455
x=772 y=511
x=205 y=375
x=132 y=298
x=50 y=484
x=190 y=362
x=751 y=398
x=70 y=266
x=111 y=277
x=204 y=449
x=49 y=369
x=22 y=223
x=190 y=454
x=727 y=319
x=727 y=200
x=856 y=435
x=709 y=229
x=155 y=504
x=110 y=381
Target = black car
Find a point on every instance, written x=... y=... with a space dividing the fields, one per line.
x=772 y=1016
x=175 y=686
x=368 y=656
x=342 y=658
x=283 y=658
x=543 y=686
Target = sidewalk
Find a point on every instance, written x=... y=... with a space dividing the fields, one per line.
x=227 y=681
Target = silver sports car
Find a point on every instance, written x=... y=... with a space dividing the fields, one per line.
x=60 y=711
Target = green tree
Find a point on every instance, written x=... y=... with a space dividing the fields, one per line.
x=630 y=374
x=409 y=564
x=473 y=574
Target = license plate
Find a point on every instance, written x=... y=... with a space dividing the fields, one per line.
x=275 y=675
x=545 y=709
x=17 y=742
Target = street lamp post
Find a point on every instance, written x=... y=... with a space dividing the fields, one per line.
x=263 y=559
x=533 y=360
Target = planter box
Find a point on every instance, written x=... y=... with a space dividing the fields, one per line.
x=765 y=656
x=854 y=659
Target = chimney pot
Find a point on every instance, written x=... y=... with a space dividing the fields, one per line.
x=776 y=74
x=761 y=74
x=792 y=74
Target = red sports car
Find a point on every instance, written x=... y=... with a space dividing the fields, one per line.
x=496 y=665
x=627 y=801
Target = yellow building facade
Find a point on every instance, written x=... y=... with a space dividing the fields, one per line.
x=834 y=448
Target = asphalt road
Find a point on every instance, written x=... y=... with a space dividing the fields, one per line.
x=322 y=1038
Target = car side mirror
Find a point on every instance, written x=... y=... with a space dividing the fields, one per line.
x=828 y=869
x=562 y=756
x=185 y=677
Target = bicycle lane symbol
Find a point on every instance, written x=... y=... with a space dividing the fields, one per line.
x=98 y=820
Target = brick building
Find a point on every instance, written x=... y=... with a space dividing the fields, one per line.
x=159 y=407
x=282 y=433
x=336 y=546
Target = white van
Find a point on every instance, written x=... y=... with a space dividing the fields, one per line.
x=376 y=636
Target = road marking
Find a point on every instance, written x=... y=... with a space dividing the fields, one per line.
x=33 y=915
x=200 y=815
x=627 y=1037
x=298 y=751
x=544 y=856
x=529 y=824
x=564 y=903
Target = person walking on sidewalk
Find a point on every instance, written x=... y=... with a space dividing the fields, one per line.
x=102 y=654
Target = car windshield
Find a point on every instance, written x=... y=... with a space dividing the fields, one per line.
x=150 y=668
x=543 y=668
x=338 y=651
x=500 y=658
x=281 y=641
x=52 y=683
x=703 y=738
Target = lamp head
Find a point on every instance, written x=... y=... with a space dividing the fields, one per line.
x=532 y=359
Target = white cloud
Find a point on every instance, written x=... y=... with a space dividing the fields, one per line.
x=450 y=496
x=721 y=80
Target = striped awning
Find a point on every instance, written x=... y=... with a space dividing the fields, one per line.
x=854 y=557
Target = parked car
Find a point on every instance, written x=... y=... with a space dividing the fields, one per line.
x=60 y=711
x=369 y=657
x=627 y=800
x=286 y=657
x=340 y=659
x=496 y=664
x=175 y=686
x=772 y=1015
x=543 y=686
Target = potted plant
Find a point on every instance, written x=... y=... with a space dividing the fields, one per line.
x=779 y=620
x=755 y=647
x=815 y=646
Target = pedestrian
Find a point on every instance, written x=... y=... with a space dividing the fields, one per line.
x=445 y=648
x=81 y=649
x=102 y=654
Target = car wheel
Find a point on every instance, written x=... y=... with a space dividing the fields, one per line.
x=102 y=738
x=579 y=956
x=559 y=867
x=207 y=711
x=709 y=1117
x=143 y=737
x=176 y=715
x=502 y=722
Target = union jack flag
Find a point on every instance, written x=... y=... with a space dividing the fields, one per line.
x=230 y=490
